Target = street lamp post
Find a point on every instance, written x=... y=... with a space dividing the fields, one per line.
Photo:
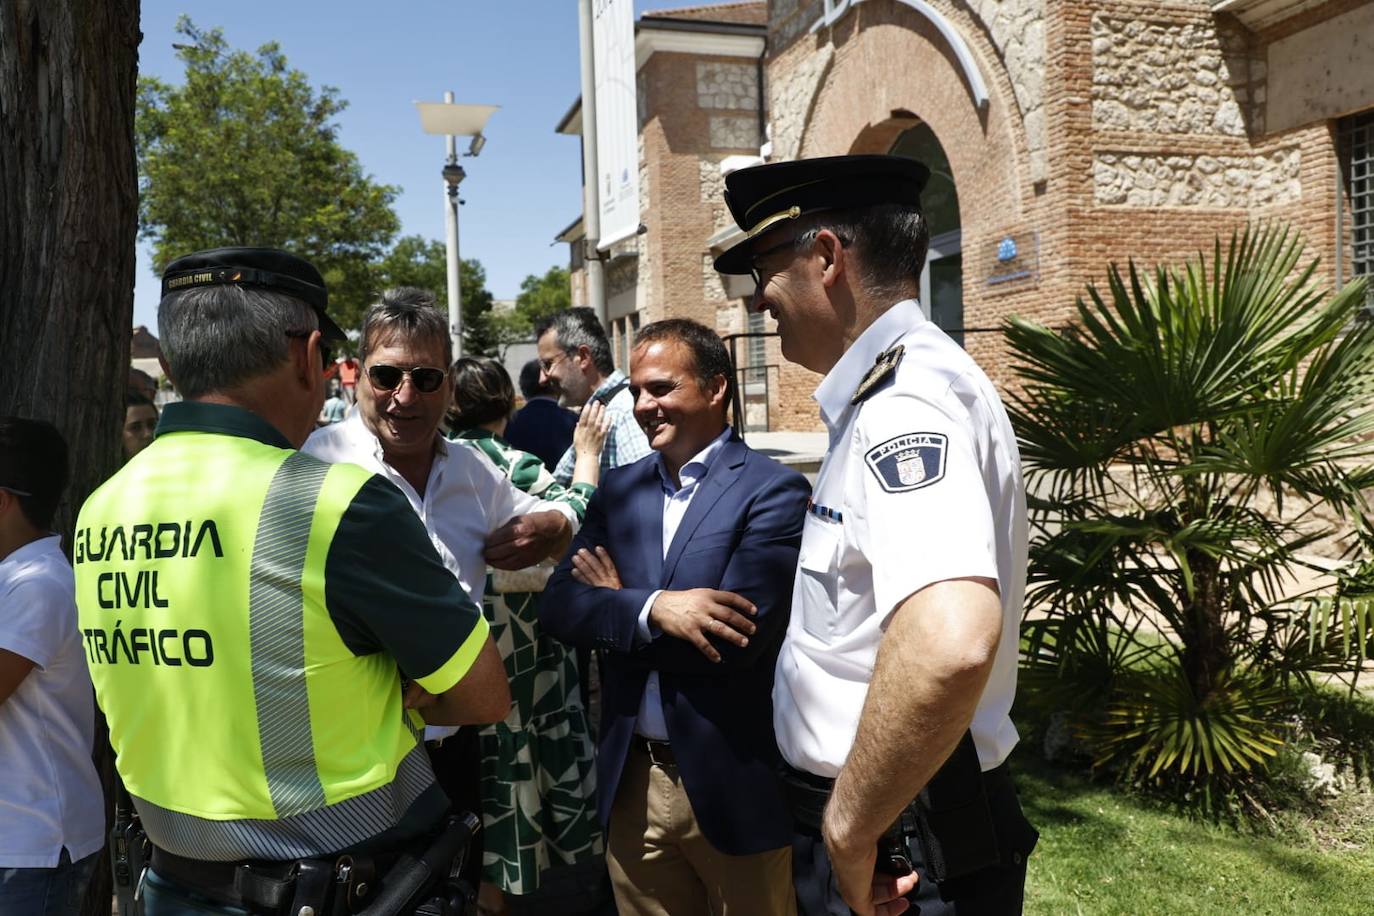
x=454 y=121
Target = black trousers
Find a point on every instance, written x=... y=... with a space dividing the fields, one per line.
x=997 y=890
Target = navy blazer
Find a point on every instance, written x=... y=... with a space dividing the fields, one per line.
x=542 y=428
x=741 y=533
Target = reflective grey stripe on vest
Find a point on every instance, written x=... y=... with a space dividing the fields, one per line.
x=276 y=613
x=314 y=833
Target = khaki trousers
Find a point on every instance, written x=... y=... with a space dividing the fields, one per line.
x=662 y=865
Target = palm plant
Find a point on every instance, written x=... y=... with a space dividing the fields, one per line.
x=1154 y=431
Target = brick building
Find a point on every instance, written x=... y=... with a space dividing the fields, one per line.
x=1062 y=134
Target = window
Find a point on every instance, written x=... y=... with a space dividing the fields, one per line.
x=1355 y=213
x=758 y=347
x=625 y=330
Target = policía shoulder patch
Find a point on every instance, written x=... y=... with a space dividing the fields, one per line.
x=909 y=462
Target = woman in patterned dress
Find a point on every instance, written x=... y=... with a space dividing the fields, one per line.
x=538 y=770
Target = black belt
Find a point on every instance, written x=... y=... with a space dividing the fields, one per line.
x=808 y=793
x=268 y=887
x=660 y=752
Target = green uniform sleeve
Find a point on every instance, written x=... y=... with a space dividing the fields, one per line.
x=388 y=591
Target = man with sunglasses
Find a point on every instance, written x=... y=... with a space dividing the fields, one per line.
x=251 y=614
x=474 y=514
x=898 y=670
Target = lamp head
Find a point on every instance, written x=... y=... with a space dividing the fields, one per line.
x=454 y=174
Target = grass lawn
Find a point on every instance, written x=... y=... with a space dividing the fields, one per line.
x=1102 y=852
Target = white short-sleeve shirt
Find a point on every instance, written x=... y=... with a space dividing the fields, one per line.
x=921 y=483
x=465 y=499
x=49 y=794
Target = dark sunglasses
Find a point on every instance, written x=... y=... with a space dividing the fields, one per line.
x=426 y=379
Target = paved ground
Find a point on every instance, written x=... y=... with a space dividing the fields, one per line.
x=802 y=451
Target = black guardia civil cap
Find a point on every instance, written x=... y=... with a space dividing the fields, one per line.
x=762 y=196
x=269 y=268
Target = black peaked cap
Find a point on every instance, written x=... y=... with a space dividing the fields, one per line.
x=268 y=268
x=763 y=196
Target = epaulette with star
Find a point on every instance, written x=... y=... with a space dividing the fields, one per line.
x=883 y=368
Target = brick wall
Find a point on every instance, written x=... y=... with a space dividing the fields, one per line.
x=1153 y=120
x=1115 y=130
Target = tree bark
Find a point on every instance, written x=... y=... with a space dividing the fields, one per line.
x=68 y=223
x=1206 y=651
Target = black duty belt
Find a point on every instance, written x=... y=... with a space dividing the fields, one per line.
x=380 y=884
x=270 y=887
x=951 y=820
x=660 y=752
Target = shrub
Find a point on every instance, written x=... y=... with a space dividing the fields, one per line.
x=1158 y=599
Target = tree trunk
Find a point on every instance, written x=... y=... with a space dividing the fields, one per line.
x=1206 y=653
x=68 y=219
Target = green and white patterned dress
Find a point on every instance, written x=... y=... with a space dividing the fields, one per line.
x=538 y=769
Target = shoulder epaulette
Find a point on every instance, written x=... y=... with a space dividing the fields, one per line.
x=883 y=368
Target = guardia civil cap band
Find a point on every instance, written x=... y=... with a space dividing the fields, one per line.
x=764 y=196
x=268 y=268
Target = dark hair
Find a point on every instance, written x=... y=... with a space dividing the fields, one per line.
x=133 y=399
x=482 y=392
x=409 y=312
x=709 y=357
x=530 y=386
x=575 y=328
x=33 y=458
x=891 y=240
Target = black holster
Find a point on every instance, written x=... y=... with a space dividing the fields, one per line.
x=428 y=884
x=129 y=852
x=951 y=819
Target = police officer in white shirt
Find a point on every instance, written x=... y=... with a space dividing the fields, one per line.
x=895 y=681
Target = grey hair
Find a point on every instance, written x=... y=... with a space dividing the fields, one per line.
x=579 y=327
x=891 y=240
x=216 y=338
x=410 y=312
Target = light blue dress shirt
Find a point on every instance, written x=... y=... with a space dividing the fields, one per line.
x=676 y=499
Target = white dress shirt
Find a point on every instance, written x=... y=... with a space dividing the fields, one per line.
x=465 y=499
x=676 y=499
x=921 y=483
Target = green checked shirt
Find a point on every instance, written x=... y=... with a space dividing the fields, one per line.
x=625 y=443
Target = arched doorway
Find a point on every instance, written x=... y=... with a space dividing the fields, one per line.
x=942 y=280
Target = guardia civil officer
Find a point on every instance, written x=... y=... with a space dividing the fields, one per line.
x=249 y=613
x=899 y=667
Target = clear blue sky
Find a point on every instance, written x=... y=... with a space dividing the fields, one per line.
x=519 y=54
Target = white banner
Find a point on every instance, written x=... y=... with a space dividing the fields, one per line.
x=617 y=119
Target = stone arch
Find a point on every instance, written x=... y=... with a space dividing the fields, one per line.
x=891 y=70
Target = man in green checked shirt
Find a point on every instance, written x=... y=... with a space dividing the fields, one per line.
x=575 y=356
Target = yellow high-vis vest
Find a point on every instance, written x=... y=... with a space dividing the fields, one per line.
x=244 y=727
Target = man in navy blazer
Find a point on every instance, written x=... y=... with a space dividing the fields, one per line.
x=682 y=577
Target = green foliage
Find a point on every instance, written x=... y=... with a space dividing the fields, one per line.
x=1158 y=590
x=423 y=263
x=246 y=152
x=542 y=296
